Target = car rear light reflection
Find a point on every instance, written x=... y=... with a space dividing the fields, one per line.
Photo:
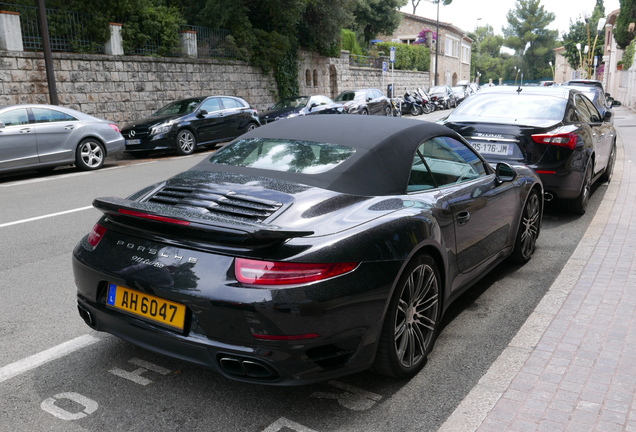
x=567 y=140
x=256 y=272
x=114 y=127
x=96 y=235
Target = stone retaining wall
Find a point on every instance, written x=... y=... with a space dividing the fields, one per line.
x=123 y=89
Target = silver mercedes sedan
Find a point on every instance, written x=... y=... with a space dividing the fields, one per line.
x=41 y=137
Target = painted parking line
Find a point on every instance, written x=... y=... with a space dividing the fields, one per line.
x=26 y=364
x=4 y=225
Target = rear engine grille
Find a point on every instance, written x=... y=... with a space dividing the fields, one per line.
x=217 y=203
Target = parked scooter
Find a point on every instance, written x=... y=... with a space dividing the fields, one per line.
x=410 y=105
x=427 y=106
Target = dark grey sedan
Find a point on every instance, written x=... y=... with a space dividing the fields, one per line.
x=45 y=136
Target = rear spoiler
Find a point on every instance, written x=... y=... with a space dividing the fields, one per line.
x=173 y=218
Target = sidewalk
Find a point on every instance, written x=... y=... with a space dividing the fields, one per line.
x=572 y=366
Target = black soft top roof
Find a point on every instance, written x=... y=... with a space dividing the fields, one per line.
x=381 y=165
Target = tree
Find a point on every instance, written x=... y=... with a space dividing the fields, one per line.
x=528 y=36
x=416 y=3
x=486 y=54
x=374 y=17
x=624 y=30
x=585 y=32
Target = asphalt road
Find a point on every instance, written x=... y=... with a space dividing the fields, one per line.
x=56 y=374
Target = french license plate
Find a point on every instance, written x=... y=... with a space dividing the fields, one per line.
x=493 y=148
x=158 y=310
x=133 y=141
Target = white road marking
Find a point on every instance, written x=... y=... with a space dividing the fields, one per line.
x=26 y=364
x=4 y=225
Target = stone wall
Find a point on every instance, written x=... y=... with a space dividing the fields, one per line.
x=123 y=89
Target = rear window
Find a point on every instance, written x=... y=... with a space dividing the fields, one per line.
x=304 y=157
x=512 y=107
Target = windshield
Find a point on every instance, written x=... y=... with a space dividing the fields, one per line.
x=349 y=96
x=438 y=89
x=283 y=155
x=295 y=102
x=182 y=107
x=511 y=107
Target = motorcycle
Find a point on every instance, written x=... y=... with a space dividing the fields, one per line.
x=425 y=100
x=410 y=105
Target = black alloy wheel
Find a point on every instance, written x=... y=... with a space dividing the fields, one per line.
x=186 y=142
x=90 y=155
x=606 y=177
x=528 y=231
x=412 y=320
x=579 y=204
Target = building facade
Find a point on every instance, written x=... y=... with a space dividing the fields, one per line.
x=453 y=59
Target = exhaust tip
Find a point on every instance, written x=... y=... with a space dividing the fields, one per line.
x=245 y=367
x=548 y=196
x=86 y=315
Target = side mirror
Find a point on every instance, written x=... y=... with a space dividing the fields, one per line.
x=202 y=113
x=616 y=103
x=505 y=173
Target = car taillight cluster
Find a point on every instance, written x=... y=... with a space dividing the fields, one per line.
x=255 y=272
x=114 y=127
x=96 y=235
x=567 y=140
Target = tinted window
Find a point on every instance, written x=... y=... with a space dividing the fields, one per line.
x=180 y=107
x=232 y=103
x=211 y=105
x=283 y=155
x=512 y=107
x=583 y=109
x=44 y=115
x=443 y=161
x=15 y=117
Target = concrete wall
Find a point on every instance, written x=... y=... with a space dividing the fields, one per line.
x=123 y=89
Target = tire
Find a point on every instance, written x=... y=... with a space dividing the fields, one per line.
x=606 y=177
x=415 y=111
x=90 y=155
x=412 y=320
x=528 y=230
x=250 y=127
x=426 y=108
x=387 y=111
x=432 y=107
x=364 y=112
x=579 y=204
x=186 y=142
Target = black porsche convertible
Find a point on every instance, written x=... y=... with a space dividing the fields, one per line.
x=307 y=249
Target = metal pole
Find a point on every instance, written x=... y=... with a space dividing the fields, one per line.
x=48 y=58
x=437 y=42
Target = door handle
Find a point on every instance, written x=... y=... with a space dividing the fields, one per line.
x=69 y=127
x=25 y=130
x=463 y=217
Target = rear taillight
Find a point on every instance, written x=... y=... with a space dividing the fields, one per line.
x=114 y=127
x=567 y=140
x=256 y=272
x=96 y=235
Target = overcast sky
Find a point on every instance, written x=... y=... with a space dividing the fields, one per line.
x=465 y=14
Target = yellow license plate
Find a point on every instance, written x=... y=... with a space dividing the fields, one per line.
x=153 y=308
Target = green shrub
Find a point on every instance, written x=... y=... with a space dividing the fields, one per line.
x=408 y=57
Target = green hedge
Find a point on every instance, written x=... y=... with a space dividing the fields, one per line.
x=408 y=57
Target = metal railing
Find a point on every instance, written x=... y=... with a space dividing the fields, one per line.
x=69 y=32
x=366 y=61
x=66 y=30
x=214 y=43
